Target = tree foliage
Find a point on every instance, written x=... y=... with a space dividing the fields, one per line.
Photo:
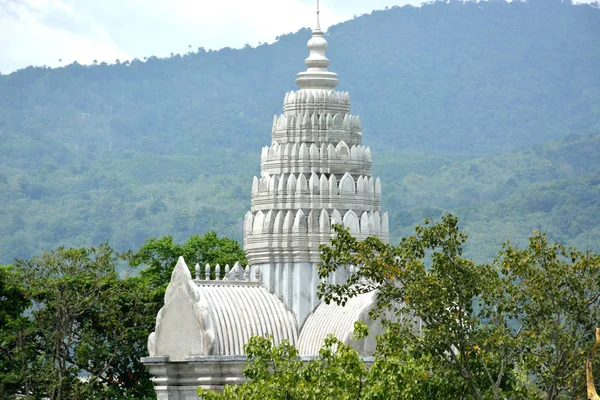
x=87 y=329
x=13 y=331
x=70 y=328
x=160 y=255
x=276 y=372
x=530 y=314
x=554 y=297
x=517 y=328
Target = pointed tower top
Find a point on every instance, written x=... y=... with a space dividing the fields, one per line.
x=317 y=76
x=318 y=27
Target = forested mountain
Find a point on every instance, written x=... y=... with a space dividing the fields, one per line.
x=455 y=99
x=552 y=187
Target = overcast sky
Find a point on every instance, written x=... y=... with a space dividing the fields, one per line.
x=40 y=32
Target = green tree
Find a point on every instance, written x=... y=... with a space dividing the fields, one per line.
x=451 y=299
x=70 y=328
x=339 y=372
x=14 y=329
x=276 y=372
x=553 y=296
x=519 y=327
x=159 y=256
x=89 y=329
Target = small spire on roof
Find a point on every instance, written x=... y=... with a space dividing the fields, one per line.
x=318 y=27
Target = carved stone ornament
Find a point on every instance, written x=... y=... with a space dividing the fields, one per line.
x=183 y=325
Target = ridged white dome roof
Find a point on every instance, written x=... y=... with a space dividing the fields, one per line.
x=240 y=310
x=333 y=319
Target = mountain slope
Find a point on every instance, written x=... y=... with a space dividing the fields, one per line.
x=123 y=152
x=553 y=187
x=449 y=76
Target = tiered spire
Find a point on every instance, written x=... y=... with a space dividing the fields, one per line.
x=315 y=173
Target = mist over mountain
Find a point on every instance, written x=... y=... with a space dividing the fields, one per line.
x=459 y=93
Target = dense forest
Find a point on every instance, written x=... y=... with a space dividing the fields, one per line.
x=490 y=110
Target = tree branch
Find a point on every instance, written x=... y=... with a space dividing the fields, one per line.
x=588 y=304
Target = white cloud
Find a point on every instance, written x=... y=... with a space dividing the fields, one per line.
x=40 y=32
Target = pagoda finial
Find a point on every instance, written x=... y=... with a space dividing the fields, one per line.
x=317 y=76
x=318 y=27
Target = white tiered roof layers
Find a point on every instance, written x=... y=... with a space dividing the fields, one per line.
x=315 y=173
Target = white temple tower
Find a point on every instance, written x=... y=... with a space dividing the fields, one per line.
x=315 y=173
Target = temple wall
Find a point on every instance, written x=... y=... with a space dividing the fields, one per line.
x=179 y=380
x=295 y=284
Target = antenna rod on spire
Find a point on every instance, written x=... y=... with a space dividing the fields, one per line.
x=318 y=22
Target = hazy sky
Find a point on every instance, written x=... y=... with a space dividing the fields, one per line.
x=40 y=32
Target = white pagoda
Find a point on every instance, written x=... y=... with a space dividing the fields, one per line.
x=315 y=173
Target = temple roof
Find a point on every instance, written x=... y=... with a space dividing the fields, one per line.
x=334 y=319
x=240 y=310
x=217 y=317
